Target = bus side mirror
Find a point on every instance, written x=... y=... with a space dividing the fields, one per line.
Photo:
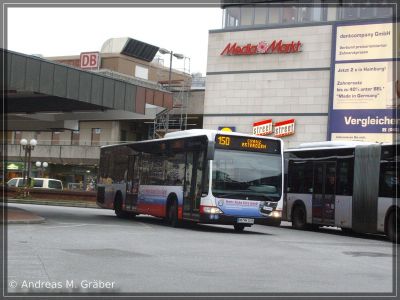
x=210 y=150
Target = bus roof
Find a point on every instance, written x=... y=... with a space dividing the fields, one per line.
x=331 y=145
x=193 y=133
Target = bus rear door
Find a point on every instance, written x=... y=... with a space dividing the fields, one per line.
x=323 y=201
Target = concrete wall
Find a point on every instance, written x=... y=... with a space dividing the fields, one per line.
x=243 y=89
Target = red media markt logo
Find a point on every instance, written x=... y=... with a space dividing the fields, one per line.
x=276 y=46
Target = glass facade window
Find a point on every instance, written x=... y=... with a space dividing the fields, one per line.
x=232 y=17
x=289 y=14
x=274 y=15
x=260 y=15
x=256 y=15
x=246 y=15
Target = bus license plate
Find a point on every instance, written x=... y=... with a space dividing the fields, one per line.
x=245 y=220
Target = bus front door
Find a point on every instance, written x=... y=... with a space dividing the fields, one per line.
x=323 y=201
x=132 y=182
x=192 y=185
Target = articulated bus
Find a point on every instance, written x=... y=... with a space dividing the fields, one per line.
x=353 y=186
x=204 y=176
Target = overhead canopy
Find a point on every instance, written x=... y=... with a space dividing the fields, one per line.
x=34 y=85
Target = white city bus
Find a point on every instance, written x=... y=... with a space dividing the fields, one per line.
x=349 y=185
x=198 y=175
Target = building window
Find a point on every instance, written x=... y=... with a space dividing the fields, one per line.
x=96 y=136
x=246 y=15
x=141 y=72
x=123 y=135
x=232 y=17
x=312 y=14
x=17 y=136
x=289 y=15
x=274 y=14
x=260 y=15
x=75 y=137
x=55 y=138
x=350 y=12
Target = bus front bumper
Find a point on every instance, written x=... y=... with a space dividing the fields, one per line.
x=231 y=220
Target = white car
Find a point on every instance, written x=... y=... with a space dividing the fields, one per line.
x=39 y=183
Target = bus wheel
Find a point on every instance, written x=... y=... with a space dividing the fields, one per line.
x=238 y=227
x=173 y=214
x=393 y=228
x=299 y=220
x=118 y=207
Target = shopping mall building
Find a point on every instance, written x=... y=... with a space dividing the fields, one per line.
x=304 y=73
x=301 y=72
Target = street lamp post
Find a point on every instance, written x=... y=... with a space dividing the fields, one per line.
x=27 y=158
x=41 y=166
x=171 y=53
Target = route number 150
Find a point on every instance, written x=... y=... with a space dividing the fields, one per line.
x=224 y=140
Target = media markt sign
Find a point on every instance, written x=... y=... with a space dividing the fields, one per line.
x=276 y=46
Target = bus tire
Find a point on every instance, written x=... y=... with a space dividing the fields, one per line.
x=393 y=230
x=238 y=227
x=118 y=206
x=173 y=220
x=299 y=217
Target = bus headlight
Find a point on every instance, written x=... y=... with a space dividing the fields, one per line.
x=276 y=214
x=210 y=210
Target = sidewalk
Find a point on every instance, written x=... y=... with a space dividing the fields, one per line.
x=20 y=216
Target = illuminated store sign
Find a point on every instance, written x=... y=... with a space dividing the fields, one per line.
x=276 y=46
x=279 y=129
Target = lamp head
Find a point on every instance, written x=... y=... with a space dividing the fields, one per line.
x=33 y=142
x=179 y=56
x=23 y=142
x=38 y=164
x=45 y=164
x=164 y=51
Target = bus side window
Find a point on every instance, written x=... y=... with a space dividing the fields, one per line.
x=388 y=181
x=300 y=177
x=344 y=177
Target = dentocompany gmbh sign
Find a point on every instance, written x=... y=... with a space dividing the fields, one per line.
x=276 y=46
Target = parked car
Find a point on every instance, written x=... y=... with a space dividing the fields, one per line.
x=38 y=183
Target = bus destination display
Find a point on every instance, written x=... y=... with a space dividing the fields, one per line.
x=247 y=144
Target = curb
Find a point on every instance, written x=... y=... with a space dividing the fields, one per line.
x=39 y=220
x=53 y=202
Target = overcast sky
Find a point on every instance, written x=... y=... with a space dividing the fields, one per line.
x=70 y=31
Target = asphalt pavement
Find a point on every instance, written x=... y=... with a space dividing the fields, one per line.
x=85 y=250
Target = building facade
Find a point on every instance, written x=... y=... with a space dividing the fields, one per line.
x=275 y=70
x=73 y=154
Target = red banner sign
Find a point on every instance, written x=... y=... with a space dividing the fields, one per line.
x=276 y=46
x=284 y=128
x=262 y=127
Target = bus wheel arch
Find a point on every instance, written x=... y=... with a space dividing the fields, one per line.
x=172 y=210
x=299 y=215
x=391 y=223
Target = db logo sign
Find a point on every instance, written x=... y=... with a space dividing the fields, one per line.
x=90 y=60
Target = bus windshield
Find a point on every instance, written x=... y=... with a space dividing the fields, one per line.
x=247 y=175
